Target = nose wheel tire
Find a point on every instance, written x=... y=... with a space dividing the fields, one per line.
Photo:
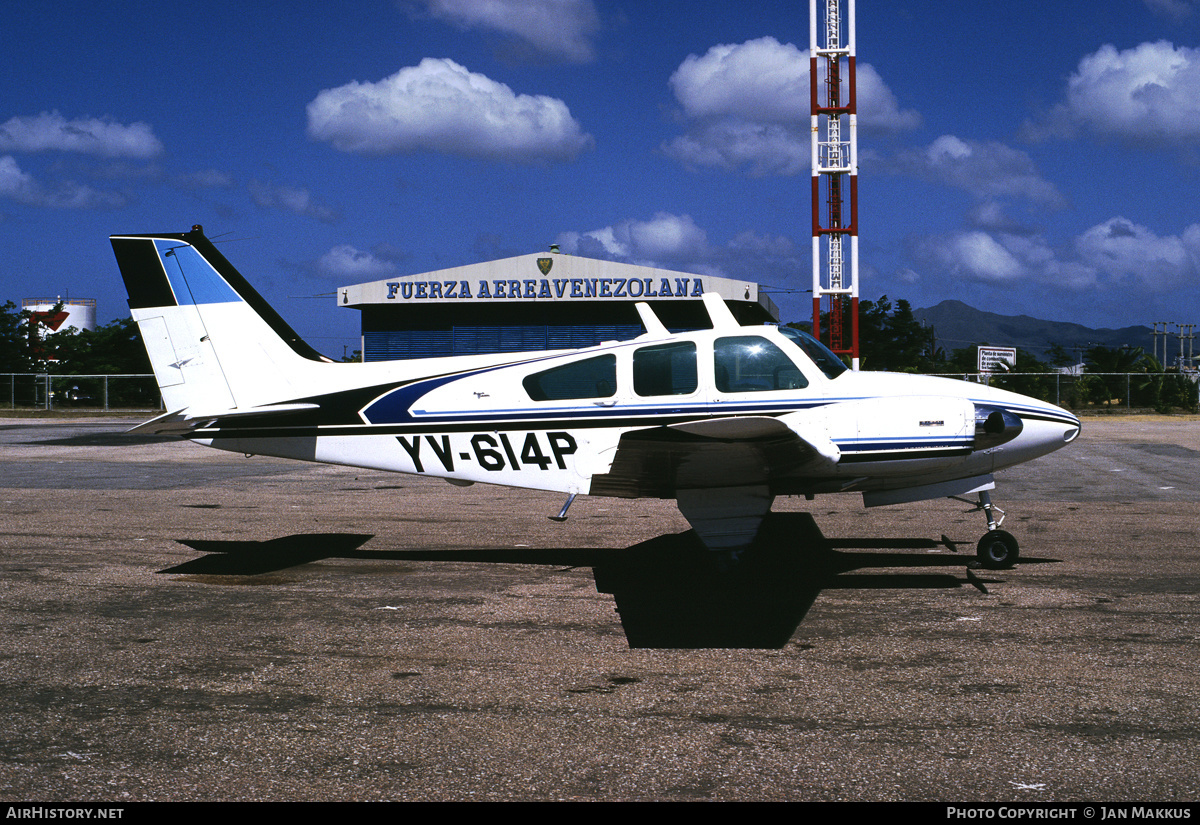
x=998 y=550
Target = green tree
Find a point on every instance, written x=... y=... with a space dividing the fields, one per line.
x=1031 y=377
x=891 y=339
x=14 y=339
x=1127 y=375
x=1059 y=356
x=114 y=348
x=1178 y=391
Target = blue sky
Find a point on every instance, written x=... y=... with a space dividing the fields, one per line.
x=1023 y=157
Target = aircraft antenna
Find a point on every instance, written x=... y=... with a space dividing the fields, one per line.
x=834 y=172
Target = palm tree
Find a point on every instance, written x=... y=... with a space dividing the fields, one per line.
x=1118 y=368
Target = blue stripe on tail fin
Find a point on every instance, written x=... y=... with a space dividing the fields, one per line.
x=184 y=268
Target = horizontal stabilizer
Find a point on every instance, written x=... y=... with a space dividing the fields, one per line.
x=182 y=422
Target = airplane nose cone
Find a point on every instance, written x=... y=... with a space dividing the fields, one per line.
x=1016 y=428
x=1068 y=421
x=1046 y=428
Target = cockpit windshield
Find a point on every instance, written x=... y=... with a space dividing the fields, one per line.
x=820 y=354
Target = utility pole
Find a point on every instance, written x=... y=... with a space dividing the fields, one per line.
x=1184 y=360
x=1154 y=336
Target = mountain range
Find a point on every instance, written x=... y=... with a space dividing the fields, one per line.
x=957 y=325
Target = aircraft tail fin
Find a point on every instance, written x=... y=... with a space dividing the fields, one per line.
x=213 y=341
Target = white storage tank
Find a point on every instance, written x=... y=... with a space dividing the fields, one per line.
x=79 y=313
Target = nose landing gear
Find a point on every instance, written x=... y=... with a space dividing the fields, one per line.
x=998 y=549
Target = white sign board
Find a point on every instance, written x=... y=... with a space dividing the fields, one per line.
x=997 y=359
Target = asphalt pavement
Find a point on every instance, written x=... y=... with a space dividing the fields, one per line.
x=180 y=623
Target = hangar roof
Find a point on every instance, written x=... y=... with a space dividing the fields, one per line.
x=551 y=277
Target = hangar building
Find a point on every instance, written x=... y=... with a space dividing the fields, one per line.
x=534 y=302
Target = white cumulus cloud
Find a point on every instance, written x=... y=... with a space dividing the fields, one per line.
x=346 y=261
x=20 y=186
x=1121 y=248
x=1150 y=92
x=15 y=183
x=764 y=80
x=978 y=255
x=50 y=131
x=678 y=243
x=656 y=242
x=557 y=29
x=761 y=148
x=1001 y=258
x=986 y=169
x=1109 y=254
x=1174 y=10
x=294 y=199
x=748 y=106
x=440 y=106
x=204 y=179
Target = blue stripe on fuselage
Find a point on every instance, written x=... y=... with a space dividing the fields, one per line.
x=892 y=444
x=396 y=407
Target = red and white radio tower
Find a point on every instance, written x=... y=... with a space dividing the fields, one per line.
x=834 y=159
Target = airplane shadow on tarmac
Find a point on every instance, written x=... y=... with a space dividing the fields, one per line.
x=669 y=592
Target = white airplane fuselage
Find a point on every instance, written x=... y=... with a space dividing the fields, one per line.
x=479 y=426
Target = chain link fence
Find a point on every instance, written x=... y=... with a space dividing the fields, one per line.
x=1160 y=391
x=42 y=391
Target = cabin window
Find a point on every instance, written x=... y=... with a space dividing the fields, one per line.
x=665 y=369
x=751 y=364
x=821 y=355
x=590 y=378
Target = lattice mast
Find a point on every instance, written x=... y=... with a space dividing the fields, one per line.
x=834 y=173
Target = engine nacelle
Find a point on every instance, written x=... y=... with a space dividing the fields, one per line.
x=994 y=426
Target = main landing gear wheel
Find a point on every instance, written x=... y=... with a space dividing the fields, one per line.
x=998 y=550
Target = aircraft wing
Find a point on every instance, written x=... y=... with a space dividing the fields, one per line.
x=657 y=462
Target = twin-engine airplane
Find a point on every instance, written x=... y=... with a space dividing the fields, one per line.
x=722 y=420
